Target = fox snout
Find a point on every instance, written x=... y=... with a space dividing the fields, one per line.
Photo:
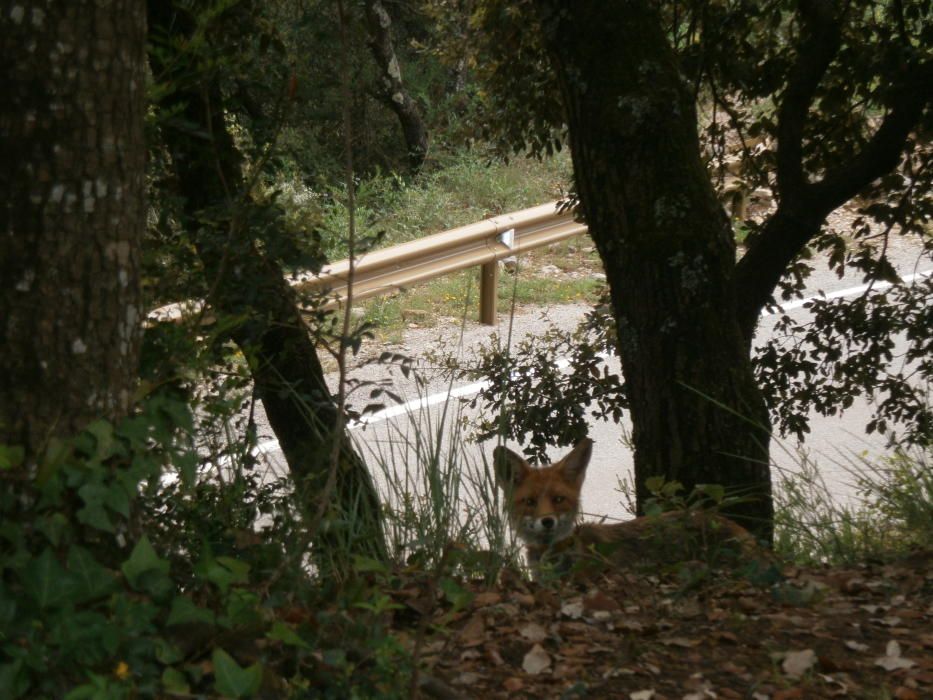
x=546 y=529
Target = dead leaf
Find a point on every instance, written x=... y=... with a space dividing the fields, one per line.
x=533 y=632
x=796 y=663
x=892 y=660
x=681 y=642
x=513 y=684
x=788 y=694
x=904 y=693
x=468 y=678
x=641 y=695
x=726 y=636
x=572 y=609
x=536 y=660
x=473 y=632
x=856 y=646
x=487 y=598
x=597 y=601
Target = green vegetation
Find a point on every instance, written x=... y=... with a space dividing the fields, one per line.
x=208 y=149
x=891 y=514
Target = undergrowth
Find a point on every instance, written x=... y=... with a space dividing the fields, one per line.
x=889 y=515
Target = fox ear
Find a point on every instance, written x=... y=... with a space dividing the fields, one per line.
x=511 y=468
x=574 y=464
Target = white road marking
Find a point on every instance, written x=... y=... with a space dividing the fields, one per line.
x=476 y=387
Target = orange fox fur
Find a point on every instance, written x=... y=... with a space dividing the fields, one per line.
x=544 y=507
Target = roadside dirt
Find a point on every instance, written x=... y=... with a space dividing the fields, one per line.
x=859 y=632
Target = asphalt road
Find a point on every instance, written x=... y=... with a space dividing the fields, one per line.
x=390 y=438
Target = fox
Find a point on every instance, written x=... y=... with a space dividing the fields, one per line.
x=543 y=507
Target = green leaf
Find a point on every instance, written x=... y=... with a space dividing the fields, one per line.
x=174 y=681
x=654 y=484
x=143 y=560
x=45 y=580
x=55 y=454
x=185 y=612
x=105 y=445
x=243 y=608
x=715 y=492
x=53 y=526
x=223 y=571
x=117 y=499
x=231 y=679
x=93 y=512
x=91 y=579
x=281 y=632
x=11 y=456
x=166 y=652
x=363 y=565
x=13 y=683
x=455 y=593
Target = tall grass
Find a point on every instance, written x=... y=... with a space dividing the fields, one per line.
x=891 y=514
x=441 y=504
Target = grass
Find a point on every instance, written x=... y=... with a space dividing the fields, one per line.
x=451 y=297
x=891 y=516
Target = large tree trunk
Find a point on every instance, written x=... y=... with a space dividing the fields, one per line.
x=246 y=285
x=390 y=87
x=698 y=415
x=72 y=186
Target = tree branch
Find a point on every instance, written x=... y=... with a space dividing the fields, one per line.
x=391 y=90
x=820 y=43
x=883 y=152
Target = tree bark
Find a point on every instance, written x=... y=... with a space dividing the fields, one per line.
x=698 y=415
x=390 y=87
x=72 y=187
x=271 y=333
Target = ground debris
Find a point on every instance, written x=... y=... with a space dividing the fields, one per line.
x=859 y=632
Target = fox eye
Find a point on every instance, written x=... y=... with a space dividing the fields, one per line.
x=529 y=501
x=558 y=499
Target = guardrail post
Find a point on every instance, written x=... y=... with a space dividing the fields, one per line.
x=488 y=293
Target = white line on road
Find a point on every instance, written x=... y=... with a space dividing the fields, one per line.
x=474 y=388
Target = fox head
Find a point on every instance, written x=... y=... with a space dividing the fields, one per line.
x=543 y=502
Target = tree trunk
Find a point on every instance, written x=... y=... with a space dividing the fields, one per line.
x=390 y=87
x=72 y=186
x=247 y=285
x=698 y=416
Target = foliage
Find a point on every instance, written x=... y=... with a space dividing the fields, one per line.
x=544 y=391
x=125 y=574
x=891 y=515
x=850 y=348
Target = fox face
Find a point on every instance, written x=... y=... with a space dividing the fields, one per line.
x=543 y=502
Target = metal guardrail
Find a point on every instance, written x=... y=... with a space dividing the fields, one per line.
x=482 y=244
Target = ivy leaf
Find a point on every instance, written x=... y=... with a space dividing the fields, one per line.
x=105 y=444
x=11 y=456
x=174 y=682
x=185 y=611
x=281 y=632
x=231 y=679
x=93 y=513
x=223 y=571
x=143 y=560
x=91 y=579
x=45 y=580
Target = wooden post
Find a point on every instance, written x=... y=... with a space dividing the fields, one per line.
x=488 y=293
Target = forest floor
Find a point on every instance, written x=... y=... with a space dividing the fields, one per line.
x=859 y=632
